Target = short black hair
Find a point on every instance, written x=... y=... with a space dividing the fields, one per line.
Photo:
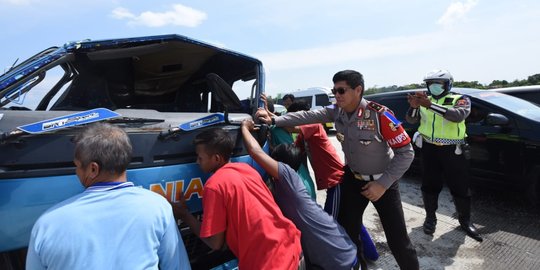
x=298 y=106
x=288 y=96
x=216 y=141
x=289 y=154
x=352 y=77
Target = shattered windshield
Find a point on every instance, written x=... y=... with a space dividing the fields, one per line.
x=164 y=76
x=31 y=93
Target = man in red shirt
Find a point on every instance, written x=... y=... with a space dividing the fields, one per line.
x=328 y=170
x=239 y=210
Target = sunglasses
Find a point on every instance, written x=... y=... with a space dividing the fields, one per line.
x=340 y=90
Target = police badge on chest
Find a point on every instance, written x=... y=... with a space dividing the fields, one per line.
x=366 y=124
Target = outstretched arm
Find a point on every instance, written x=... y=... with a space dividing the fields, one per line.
x=265 y=101
x=255 y=150
x=180 y=211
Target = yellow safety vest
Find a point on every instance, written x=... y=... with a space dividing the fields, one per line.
x=437 y=130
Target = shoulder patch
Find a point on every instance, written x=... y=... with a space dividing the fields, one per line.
x=390 y=127
x=392 y=130
x=392 y=118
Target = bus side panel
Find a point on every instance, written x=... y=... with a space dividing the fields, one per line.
x=23 y=200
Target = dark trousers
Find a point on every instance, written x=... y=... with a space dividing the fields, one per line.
x=441 y=163
x=351 y=210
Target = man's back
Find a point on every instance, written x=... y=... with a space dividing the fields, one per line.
x=126 y=228
x=325 y=160
x=325 y=243
x=236 y=200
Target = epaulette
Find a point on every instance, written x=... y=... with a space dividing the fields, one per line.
x=376 y=107
x=383 y=111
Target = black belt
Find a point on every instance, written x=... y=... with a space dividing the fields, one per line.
x=366 y=177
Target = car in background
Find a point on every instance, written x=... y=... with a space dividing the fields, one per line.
x=279 y=109
x=530 y=93
x=332 y=98
x=316 y=98
x=503 y=134
x=162 y=90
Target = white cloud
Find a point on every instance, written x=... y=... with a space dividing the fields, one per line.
x=385 y=61
x=180 y=15
x=122 y=13
x=354 y=50
x=456 y=11
x=498 y=48
x=17 y=2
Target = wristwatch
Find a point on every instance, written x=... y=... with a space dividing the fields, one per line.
x=273 y=121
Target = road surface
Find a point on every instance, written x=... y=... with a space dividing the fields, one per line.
x=510 y=227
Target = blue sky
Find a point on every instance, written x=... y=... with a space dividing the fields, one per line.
x=303 y=43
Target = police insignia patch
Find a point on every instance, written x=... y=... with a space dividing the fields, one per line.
x=376 y=107
x=367 y=115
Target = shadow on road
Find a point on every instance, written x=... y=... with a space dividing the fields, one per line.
x=492 y=210
x=510 y=227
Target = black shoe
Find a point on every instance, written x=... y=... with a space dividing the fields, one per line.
x=471 y=231
x=430 y=204
x=463 y=207
x=429 y=225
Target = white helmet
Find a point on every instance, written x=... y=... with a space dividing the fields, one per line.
x=440 y=75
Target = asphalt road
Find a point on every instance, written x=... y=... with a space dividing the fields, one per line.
x=510 y=227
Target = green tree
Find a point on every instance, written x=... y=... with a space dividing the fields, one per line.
x=531 y=80
x=473 y=84
x=498 y=84
x=534 y=79
x=412 y=86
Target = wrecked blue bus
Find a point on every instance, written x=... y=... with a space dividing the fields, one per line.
x=162 y=90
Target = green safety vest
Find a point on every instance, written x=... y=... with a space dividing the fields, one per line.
x=435 y=129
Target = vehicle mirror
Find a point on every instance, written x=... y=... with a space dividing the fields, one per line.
x=495 y=119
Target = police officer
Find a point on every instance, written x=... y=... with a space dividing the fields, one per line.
x=442 y=140
x=377 y=153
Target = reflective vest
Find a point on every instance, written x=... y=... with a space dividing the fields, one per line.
x=437 y=130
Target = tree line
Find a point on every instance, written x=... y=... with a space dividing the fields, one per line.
x=531 y=80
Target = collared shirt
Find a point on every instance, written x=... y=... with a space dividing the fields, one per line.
x=109 y=226
x=106 y=186
x=366 y=150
